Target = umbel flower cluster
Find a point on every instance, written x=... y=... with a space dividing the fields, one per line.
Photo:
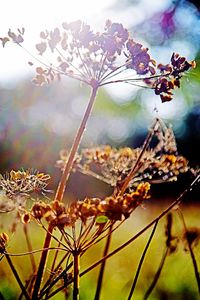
x=17 y=186
x=158 y=164
x=147 y=165
x=101 y=58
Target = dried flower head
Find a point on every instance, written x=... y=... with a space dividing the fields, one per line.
x=157 y=164
x=90 y=216
x=100 y=58
x=23 y=183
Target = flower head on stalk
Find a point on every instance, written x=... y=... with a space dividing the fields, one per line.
x=17 y=186
x=100 y=58
x=93 y=215
x=158 y=163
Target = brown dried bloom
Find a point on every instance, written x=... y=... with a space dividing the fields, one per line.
x=23 y=183
x=100 y=58
x=157 y=164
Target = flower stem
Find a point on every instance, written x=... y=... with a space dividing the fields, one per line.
x=163 y=213
x=157 y=275
x=134 y=168
x=101 y=272
x=30 y=249
x=76 y=278
x=194 y=262
x=24 y=292
x=42 y=264
x=141 y=262
x=65 y=175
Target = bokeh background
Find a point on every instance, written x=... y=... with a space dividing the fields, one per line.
x=37 y=122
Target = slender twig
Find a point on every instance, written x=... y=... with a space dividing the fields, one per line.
x=141 y=262
x=134 y=79
x=54 y=261
x=194 y=262
x=53 y=280
x=157 y=275
x=30 y=249
x=61 y=187
x=102 y=268
x=15 y=273
x=175 y=203
x=42 y=264
x=76 y=258
x=50 y=279
x=134 y=168
x=56 y=255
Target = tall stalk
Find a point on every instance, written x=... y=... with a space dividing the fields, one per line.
x=76 y=277
x=65 y=175
x=42 y=264
x=141 y=262
x=62 y=184
x=102 y=268
x=15 y=273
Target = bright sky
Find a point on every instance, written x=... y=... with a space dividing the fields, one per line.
x=36 y=16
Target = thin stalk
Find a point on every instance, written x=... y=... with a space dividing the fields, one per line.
x=55 y=256
x=133 y=170
x=14 y=271
x=65 y=175
x=175 y=203
x=102 y=268
x=30 y=248
x=194 y=262
x=53 y=282
x=54 y=261
x=76 y=278
x=157 y=275
x=42 y=264
x=141 y=262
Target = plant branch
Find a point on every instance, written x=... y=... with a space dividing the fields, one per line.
x=24 y=292
x=133 y=170
x=194 y=262
x=141 y=262
x=102 y=268
x=65 y=175
x=76 y=257
x=30 y=249
x=42 y=264
x=157 y=275
x=175 y=203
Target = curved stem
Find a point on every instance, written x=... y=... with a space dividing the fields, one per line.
x=101 y=272
x=30 y=249
x=42 y=264
x=134 y=168
x=141 y=262
x=157 y=275
x=175 y=203
x=65 y=175
x=194 y=262
x=23 y=289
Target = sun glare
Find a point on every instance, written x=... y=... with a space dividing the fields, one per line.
x=36 y=16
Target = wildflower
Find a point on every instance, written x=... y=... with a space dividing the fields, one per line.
x=101 y=58
x=157 y=164
x=23 y=183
